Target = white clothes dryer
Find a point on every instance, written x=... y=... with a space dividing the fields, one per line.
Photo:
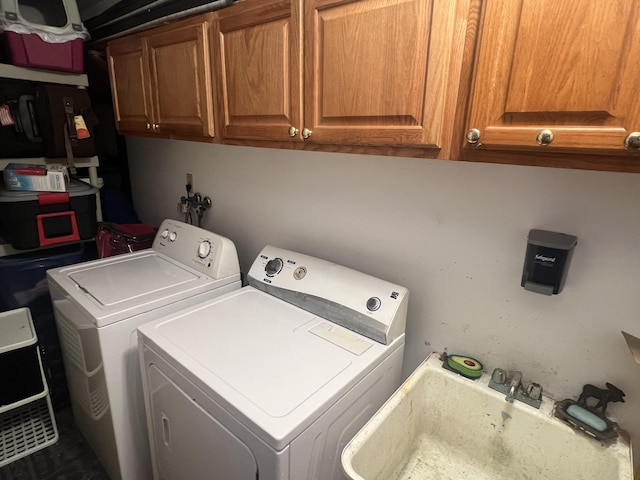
x=271 y=381
x=99 y=304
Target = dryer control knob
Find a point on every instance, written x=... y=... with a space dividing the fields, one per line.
x=373 y=304
x=173 y=236
x=204 y=249
x=273 y=266
x=165 y=233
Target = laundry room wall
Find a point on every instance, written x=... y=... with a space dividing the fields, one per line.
x=454 y=233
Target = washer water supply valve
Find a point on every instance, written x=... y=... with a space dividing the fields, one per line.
x=193 y=203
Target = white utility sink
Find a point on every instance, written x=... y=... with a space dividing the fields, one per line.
x=440 y=425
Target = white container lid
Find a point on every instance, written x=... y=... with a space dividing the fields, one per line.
x=16 y=330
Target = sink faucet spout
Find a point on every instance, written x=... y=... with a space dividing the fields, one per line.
x=516 y=379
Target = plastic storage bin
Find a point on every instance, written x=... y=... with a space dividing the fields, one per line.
x=26 y=415
x=39 y=219
x=43 y=34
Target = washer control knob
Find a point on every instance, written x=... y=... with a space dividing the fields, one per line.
x=165 y=233
x=204 y=249
x=173 y=236
x=373 y=304
x=274 y=266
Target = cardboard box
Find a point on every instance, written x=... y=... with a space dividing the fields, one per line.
x=21 y=177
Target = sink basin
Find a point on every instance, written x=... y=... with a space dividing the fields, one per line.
x=440 y=425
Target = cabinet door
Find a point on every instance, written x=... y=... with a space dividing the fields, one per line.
x=130 y=85
x=367 y=70
x=180 y=73
x=567 y=67
x=258 y=63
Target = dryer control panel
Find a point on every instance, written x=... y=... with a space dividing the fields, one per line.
x=205 y=251
x=365 y=304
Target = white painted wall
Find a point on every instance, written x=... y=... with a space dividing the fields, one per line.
x=454 y=233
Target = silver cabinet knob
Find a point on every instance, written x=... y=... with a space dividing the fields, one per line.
x=544 y=137
x=632 y=141
x=293 y=131
x=473 y=136
x=148 y=126
x=306 y=133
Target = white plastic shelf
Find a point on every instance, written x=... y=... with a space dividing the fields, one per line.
x=26 y=429
x=27 y=423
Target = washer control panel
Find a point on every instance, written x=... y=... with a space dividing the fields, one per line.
x=205 y=251
x=365 y=304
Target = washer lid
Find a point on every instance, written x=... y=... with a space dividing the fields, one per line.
x=260 y=347
x=133 y=277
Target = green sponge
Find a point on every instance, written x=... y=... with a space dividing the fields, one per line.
x=465 y=366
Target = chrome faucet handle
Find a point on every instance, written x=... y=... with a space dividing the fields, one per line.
x=534 y=391
x=499 y=376
x=514 y=384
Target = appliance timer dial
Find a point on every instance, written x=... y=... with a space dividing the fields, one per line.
x=204 y=249
x=273 y=266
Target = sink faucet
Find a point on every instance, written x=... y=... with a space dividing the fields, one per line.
x=516 y=379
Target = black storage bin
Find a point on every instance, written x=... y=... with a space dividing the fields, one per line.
x=38 y=219
x=20 y=375
x=23 y=283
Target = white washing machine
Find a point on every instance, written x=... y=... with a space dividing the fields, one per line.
x=99 y=304
x=271 y=381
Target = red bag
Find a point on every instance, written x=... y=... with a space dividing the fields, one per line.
x=115 y=239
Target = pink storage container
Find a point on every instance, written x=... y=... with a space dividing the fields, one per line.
x=43 y=34
x=29 y=50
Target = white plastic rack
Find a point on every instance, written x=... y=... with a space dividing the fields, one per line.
x=91 y=163
x=27 y=423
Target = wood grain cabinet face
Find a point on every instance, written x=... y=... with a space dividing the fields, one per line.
x=567 y=67
x=366 y=72
x=161 y=81
x=129 y=85
x=257 y=46
x=343 y=72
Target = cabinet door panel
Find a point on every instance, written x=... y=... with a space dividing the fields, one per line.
x=565 y=66
x=366 y=71
x=258 y=54
x=181 y=80
x=129 y=85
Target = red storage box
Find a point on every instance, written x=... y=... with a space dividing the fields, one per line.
x=29 y=50
x=39 y=219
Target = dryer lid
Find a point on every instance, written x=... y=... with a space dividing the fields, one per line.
x=260 y=347
x=132 y=277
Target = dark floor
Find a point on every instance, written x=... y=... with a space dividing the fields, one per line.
x=70 y=458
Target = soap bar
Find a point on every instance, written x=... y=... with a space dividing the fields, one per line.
x=465 y=366
x=588 y=418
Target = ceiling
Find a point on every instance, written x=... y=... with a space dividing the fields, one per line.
x=91 y=8
x=110 y=18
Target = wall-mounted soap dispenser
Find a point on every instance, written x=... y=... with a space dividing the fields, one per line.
x=547 y=261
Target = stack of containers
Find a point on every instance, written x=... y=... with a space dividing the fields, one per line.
x=43 y=34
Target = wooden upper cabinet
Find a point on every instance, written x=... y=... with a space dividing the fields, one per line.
x=130 y=85
x=343 y=72
x=564 y=74
x=161 y=80
x=180 y=70
x=384 y=72
x=257 y=46
x=368 y=71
